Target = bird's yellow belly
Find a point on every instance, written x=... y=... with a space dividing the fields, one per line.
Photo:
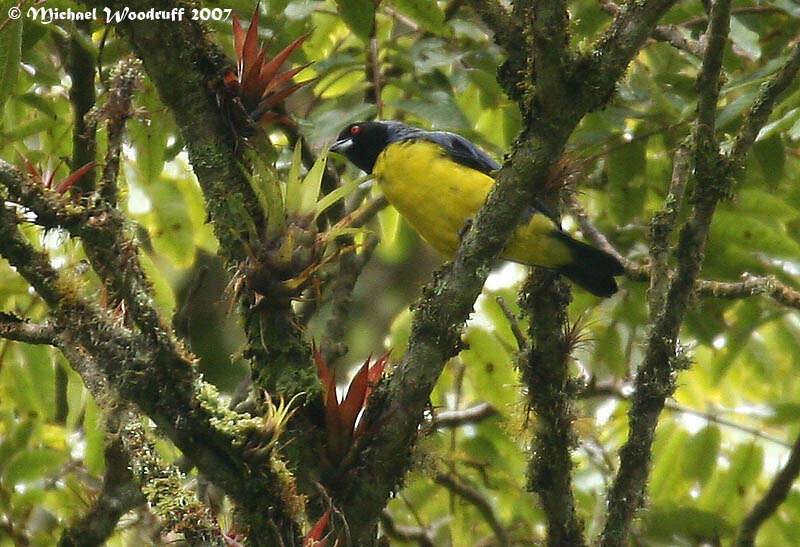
x=437 y=196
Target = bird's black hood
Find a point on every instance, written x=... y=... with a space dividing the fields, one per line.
x=362 y=143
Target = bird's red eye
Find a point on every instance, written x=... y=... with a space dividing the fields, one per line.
x=355 y=129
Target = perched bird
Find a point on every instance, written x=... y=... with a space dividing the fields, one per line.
x=438 y=180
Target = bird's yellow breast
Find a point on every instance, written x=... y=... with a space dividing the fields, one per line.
x=437 y=196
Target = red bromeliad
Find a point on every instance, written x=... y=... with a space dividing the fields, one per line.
x=257 y=82
x=340 y=417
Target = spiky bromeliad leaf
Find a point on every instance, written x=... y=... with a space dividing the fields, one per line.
x=257 y=81
x=293 y=181
x=309 y=191
x=270 y=196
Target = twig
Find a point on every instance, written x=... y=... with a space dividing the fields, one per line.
x=764 y=103
x=117 y=111
x=422 y=536
x=674 y=36
x=610 y=389
x=545 y=374
x=118 y=495
x=775 y=495
x=455 y=484
x=663 y=33
x=351 y=265
x=20 y=330
x=663 y=356
x=751 y=286
x=456 y=418
x=82 y=96
x=662 y=225
x=522 y=341
x=637 y=272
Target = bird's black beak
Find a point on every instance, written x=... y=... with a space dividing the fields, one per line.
x=342 y=145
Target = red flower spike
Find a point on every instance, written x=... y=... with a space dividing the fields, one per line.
x=250 y=46
x=257 y=82
x=251 y=86
x=281 y=79
x=32 y=171
x=354 y=401
x=322 y=369
x=269 y=69
x=375 y=373
x=70 y=181
x=238 y=37
x=46 y=179
x=50 y=175
x=276 y=98
x=340 y=418
x=314 y=536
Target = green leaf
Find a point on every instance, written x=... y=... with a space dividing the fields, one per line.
x=670 y=454
x=425 y=12
x=269 y=195
x=771 y=157
x=784 y=413
x=31 y=465
x=293 y=182
x=754 y=235
x=10 y=52
x=746 y=463
x=626 y=167
x=666 y=522
x=701 y=453
x=311 y=185
x=170 y=226
x=745 y=40
x=359 y=16
x=334 y=196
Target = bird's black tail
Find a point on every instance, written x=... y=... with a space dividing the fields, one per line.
x=591 y=268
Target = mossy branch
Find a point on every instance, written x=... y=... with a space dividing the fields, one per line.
x=397 y=406
x=663 y=356
x=160 y=382
x=545 y=372
x=776 y=494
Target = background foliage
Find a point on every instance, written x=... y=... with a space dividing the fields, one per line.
x=724 y=435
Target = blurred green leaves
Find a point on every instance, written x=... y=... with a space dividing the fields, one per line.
x=723 y=437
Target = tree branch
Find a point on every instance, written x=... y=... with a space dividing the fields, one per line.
x=551 y=56
x=20 y=330
x=661 y=227
x=118 y=495
x=545 y=373
x=456 y=418
x=161 y=383
x=776 y=495
x=671 y=34
x=663 y=356
x=507 y=30
x=397 y=405
x=764 y=103
x=422 y=536
x=455 y=484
